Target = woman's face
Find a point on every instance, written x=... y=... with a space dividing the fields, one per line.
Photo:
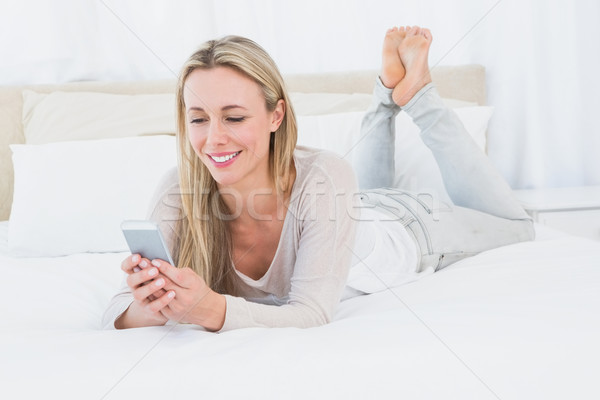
x=229 y=126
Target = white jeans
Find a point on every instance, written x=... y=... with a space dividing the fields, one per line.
x=484 y=213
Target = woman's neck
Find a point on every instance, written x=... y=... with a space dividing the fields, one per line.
x=257 y=201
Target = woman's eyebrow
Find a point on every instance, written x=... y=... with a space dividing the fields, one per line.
x=225 y=108
x=232 y=106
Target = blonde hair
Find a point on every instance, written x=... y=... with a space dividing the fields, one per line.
x=204 y=243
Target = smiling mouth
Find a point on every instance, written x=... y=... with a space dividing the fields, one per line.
x=222 y=159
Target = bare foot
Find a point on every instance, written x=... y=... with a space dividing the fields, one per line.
x=392 y=70
x=414 y=51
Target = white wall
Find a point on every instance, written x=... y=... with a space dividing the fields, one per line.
x=541 y=57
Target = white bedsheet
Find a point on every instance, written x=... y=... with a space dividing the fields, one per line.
x=518 y=322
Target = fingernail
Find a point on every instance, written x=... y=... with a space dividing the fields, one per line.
x=136 y=269
x=156 y=263
x=143 y=264
x=171 y=294
x=153 y=272
x=159 y=282
x=135 y=258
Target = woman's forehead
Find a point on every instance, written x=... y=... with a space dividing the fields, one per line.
x=220 y=81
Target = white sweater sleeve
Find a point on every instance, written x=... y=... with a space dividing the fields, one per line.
x=164 y=210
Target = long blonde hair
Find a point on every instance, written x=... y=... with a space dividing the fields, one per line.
x=204 y=243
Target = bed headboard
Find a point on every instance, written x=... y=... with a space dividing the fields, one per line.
x=464 y=82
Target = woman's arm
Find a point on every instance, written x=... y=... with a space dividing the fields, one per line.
x=122 y=311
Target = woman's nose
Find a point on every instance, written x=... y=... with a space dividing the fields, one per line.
x=217 y=133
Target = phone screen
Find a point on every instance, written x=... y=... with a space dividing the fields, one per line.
x=144 y=238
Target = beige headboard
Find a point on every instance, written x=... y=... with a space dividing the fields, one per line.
x=465 y=82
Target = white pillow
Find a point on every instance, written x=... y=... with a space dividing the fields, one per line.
x=60 y=116
x=329 y=103
x=415 y=166
x=70 y=197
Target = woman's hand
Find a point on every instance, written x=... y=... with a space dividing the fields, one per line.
x=195 y=302
x=150 y=297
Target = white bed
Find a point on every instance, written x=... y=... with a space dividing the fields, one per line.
x=518 y=322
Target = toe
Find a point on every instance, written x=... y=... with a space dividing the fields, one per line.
x=427 y=33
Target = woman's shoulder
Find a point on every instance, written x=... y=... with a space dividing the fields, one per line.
x=311 y=162
x=167 y=193
x=168 y=183
x=319 y=158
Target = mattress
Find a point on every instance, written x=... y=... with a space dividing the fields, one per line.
x=517 y=322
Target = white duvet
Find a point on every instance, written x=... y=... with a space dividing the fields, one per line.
x=518 y=322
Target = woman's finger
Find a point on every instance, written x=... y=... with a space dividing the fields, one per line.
x=157 y=294
x=144 y=263
x=159 y=304
x=169 y=284
x=136 y=279
x=130 y=263
x=134 y=263
x=151 y=288
x=184 y=277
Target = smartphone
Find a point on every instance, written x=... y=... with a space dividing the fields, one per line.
x=144 y=238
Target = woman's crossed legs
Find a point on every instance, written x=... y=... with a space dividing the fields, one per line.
x=484 y=213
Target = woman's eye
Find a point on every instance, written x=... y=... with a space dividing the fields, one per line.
x=197 y=121
x=235 y=119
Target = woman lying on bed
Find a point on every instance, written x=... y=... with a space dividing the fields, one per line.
x=265 y=233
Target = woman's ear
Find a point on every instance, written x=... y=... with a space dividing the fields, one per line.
x=278 y=114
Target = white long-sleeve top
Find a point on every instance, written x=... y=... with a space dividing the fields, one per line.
x=307 y=276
